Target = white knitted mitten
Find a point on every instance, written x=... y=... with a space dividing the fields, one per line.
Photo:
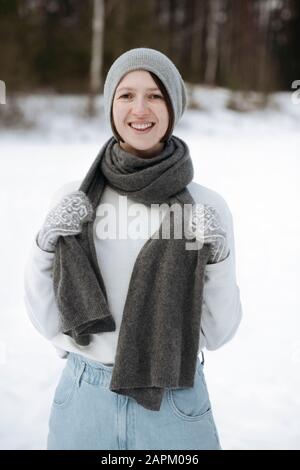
x=66 y=218
x=205 y=225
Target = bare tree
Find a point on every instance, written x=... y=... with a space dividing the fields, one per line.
x=199 y=16
x=97 y=54
x=212 y=39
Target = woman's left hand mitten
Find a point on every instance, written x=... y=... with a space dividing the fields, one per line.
x=206 y=226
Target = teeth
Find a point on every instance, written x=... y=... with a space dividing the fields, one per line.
x=141 y=126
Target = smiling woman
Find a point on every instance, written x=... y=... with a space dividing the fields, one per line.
x=142 y=109
x=132 y=315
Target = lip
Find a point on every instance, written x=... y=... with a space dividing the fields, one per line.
x=145 y=131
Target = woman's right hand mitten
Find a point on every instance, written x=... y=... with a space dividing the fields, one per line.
x=66 y=218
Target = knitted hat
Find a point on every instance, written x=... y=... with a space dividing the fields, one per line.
x=152 y=61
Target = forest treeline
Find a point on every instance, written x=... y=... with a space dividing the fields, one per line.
x=239 y=44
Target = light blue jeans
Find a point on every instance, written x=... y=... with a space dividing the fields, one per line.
x=86 y=415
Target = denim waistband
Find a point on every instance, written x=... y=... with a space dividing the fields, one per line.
x=96 y=372
x=89 y=370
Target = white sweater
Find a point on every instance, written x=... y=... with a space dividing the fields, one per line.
x=221 y=308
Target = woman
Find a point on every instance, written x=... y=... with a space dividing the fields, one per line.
x=125 y=309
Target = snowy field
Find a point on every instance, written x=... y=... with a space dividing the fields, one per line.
x=252 y=160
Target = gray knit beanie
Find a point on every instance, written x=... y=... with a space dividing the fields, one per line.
x=152 y=61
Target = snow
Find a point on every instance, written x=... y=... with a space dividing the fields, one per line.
x=252 y=160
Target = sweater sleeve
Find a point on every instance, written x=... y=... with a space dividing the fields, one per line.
x=221 y=308
x=38 y=296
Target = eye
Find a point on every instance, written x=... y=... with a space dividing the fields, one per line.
x=129 y=94
x=126 y=94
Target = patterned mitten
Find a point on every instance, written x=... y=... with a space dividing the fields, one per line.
x=66 y=218
x=206 y=226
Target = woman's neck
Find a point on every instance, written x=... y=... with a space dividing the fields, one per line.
x=149 y=153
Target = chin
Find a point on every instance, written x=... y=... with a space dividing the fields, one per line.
x=142 y=145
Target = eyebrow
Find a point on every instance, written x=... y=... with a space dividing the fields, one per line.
x=148 y=89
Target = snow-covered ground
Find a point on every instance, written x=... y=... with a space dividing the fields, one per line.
x=252 y=160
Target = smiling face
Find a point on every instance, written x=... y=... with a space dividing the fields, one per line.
x=140 y=114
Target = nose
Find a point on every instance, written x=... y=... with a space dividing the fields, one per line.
x=140 y=106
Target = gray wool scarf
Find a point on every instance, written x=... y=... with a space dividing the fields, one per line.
x=159 y=334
